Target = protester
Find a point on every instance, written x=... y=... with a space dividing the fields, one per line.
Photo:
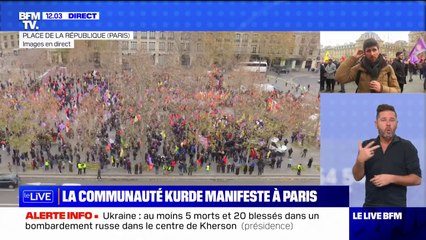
x=166 y=143
x=368 y=68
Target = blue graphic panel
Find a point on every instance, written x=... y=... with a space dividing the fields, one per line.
x=223 y=15
x=390 y=223
x=183 y=196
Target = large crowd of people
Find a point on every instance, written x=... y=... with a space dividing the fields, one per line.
x=175 y=146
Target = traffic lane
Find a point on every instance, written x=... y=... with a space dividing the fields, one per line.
x=9 y=197
x=312 y=81
x=286 y=82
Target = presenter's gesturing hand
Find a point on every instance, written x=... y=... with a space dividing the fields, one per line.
x=367 y=152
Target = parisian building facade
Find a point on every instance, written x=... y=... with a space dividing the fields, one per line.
x=303 y=52
x=9 y=42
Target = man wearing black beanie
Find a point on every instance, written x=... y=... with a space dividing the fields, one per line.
x=399 y=68
x=369 y=70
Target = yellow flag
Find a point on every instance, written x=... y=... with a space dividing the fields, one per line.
x=243 y=117
x=327 y=56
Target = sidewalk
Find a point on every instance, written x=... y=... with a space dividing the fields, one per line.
x=216 y=177
x=120 y=173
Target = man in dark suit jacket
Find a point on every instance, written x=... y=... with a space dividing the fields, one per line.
x=399 y=68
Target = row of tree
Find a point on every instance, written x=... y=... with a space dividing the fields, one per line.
x=149 y=94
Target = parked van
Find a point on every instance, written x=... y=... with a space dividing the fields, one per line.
x=9 y=180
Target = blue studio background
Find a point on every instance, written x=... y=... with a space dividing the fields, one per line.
x=348 y=118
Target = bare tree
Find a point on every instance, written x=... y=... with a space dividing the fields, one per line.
x=275 y=46
x=26 y=115
x=90 y=118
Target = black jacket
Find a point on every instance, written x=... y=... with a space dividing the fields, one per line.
x=322 y=72
x=399 y=68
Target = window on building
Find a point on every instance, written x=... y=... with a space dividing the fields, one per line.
x=245 y=37
x=303 y=40
x=133 y=45
x=5 y=38
x=162 y=46
x=162 y=35
x=171 y=35
x=12 y=44
x=135 y=35
x=144 y=35
x=255 y=38
x=151 y=35
x=151 y=46
x=170 y=46
x=184 y=36
x=311 y=51
x=253 y=49
x=237 y=37
x=5 y=44
x=300 y=51
x=143 y=45
x=11 y=37
x=125 y=46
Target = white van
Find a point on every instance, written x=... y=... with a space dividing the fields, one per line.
x=259 y=67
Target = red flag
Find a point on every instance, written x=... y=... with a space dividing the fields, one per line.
x=253 y=153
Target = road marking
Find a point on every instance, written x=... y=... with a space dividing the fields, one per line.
x=39 y=184
x=9 y=205
x=35 y=183
x=7 y=190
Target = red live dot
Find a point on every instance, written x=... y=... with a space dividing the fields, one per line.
x=96 y=216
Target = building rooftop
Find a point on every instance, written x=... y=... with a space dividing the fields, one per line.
x=368 y=35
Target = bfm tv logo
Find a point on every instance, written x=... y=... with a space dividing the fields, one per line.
x=38 y=196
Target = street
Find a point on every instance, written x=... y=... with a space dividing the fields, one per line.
x=293 y=79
